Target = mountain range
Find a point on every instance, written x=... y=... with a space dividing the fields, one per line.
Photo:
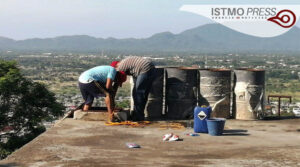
x=208 y=38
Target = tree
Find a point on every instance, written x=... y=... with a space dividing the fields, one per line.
x=24 y=106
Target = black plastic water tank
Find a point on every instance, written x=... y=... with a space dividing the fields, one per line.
x=154 y=106
x=181 y=92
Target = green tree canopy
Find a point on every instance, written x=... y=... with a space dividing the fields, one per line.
x=24 y=104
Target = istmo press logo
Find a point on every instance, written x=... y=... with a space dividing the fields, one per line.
x=255 y=20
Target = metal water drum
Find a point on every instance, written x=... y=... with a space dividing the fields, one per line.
x=154 y=106
x=181 y=92
x=249 y=93
x=215 y=90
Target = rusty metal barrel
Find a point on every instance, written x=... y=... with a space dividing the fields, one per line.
x=249 y=92
x=154 y=106
x=181 y=92
x=215 y=90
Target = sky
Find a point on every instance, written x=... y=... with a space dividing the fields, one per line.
x=23 y=19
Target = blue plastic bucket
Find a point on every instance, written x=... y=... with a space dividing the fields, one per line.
x=215 y=126
x=201 y=114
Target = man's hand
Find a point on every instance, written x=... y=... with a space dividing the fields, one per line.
x=117 y=109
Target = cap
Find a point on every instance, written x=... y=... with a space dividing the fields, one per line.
x=121 y=77
x=114 y=63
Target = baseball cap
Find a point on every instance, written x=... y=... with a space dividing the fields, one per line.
x=121 y=77
x=114 y=63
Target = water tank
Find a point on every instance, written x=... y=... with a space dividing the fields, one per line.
x=154 y=106
x=249 y=92
x=215 y=90
x=181 y=92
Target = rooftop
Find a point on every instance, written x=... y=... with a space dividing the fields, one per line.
x=92 y=143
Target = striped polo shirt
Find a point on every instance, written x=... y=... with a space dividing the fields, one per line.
x=99 y=73
x=135 y=66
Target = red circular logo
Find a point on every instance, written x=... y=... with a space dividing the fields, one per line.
x=285 y=18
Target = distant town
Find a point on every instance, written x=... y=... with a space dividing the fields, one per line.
x=60 y=71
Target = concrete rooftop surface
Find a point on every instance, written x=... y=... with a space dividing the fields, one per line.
x=92 y=143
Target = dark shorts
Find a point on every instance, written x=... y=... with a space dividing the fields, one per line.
x=89 y=91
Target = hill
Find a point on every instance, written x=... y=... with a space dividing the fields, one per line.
x=207 y=38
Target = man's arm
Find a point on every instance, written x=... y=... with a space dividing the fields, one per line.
x=109 y=82
x=109 y=107
x=108 y=98
x=112 y=91
x=115 y=89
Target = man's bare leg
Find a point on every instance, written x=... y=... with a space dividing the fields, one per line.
x=86 y=107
